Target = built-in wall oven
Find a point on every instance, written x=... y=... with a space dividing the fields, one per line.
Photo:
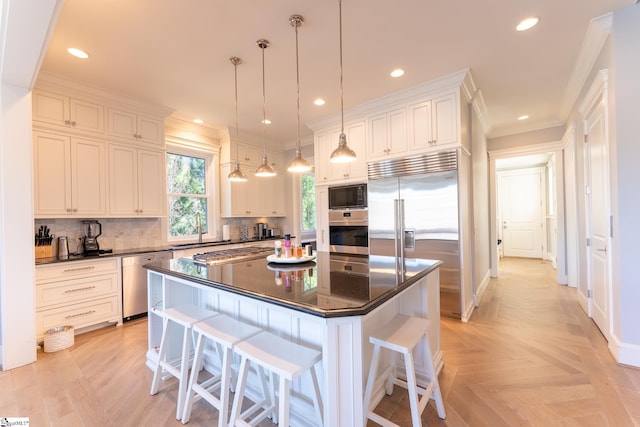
x=349 y=231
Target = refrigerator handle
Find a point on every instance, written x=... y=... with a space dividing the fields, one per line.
x=401 y=227
x=396 y=223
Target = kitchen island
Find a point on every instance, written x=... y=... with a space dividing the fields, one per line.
x=331 y=304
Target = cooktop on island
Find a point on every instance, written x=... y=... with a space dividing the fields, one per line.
x=226 y=255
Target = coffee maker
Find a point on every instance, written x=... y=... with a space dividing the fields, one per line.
x=92 y=230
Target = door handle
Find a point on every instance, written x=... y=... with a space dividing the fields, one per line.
x=602 y=250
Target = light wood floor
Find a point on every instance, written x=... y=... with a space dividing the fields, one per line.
x=528 y=357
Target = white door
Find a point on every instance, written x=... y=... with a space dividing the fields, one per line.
x=519 y=193
x=597 y=199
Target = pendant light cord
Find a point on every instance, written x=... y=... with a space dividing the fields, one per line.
x=236 y=61
x=341 y=89
x=298 y=88
x=264 y=103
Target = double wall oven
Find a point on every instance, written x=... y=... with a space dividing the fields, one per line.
x=348 y=220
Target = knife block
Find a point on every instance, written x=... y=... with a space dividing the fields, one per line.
x=44 y=251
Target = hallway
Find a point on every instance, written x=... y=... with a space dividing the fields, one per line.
x=528 y=357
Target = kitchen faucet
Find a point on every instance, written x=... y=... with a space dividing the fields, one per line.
x=199 y=226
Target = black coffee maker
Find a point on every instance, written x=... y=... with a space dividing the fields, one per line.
x=92 y=230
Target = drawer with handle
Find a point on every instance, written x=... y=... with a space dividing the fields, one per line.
x=78 y=315
x=67 y=270
x=68 y=291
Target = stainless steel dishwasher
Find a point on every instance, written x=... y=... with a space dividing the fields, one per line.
x=134 y=283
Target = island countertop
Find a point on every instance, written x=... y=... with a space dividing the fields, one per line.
x=330 y=286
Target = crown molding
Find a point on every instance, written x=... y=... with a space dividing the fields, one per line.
x=594 y=40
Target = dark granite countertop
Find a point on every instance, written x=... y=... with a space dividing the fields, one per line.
x=138 y=251
x=326 y=287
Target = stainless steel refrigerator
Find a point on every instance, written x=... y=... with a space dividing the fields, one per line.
x=413 y=213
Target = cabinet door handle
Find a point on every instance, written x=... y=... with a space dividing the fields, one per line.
x=86 y=288
x=69 y=210
x=73 y=123
x=89 y=267
x=67 y=122
x=86 y=313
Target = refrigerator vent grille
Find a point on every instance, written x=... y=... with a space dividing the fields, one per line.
x=426 y=163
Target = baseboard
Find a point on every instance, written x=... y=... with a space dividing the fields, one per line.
x=483 y=287
x=624 y=353
x=467 y=312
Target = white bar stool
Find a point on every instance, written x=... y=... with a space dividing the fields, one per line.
x=185 y=316
x=401 y=335
x=225 y=332
x=284 y=358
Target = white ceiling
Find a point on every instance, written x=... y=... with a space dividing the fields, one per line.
x=176 y=53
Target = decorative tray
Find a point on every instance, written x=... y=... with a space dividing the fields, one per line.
x=291 y=267
x=290 y=260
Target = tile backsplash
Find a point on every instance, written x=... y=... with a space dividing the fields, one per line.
x=117 y=233
x=132 y=233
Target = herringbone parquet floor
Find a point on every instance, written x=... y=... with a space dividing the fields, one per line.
x=528 y=357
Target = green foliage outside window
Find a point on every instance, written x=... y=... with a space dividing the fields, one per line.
x=308 y=196
x=186 y=187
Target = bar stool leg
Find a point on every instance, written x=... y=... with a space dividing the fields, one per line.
x=283 y=404
x=197 y=364
x=412 y=388
x=240 y=387
x=184 y=374
x=372 y=376
x=155 y=383
x=317 y=401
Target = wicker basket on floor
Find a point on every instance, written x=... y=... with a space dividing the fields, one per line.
x=58 y=338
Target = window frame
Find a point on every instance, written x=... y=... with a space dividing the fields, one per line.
x=210 y=184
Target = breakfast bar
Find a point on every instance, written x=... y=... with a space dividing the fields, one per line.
x=332 y=304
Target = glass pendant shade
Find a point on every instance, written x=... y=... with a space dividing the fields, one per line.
x=298 y=164
x=265 y=169
x=237 y=175
x=342 y=154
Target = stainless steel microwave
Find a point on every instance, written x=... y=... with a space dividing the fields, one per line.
x=348 y=197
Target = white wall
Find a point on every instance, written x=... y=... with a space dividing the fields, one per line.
x=25 y=28
x=625 y=131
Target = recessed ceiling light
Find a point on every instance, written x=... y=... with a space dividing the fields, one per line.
x=266 y=121
x=527 y=23
x=198 y=121
x=78 y=53
x=319 y=101
x=523 y=117
x=397 y=72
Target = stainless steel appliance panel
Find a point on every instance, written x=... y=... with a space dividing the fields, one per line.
x=348 y=197
x=413 y=213
x=134 y=283
x=349 y=231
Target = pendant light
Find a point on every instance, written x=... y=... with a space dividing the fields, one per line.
x=265 y=169
x=298 y=164
x=342 y=154
x=236 y=175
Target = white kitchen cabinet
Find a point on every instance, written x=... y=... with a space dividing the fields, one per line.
x=82 y=294
x=67 y=112
x=433 y=123
x=136 y=127
x=136 y=182
x=327 y=141
x=322 y=219
x=257 y=197
x=387 y=135
x=69 y=176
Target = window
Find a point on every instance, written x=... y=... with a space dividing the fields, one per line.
x=188 y=194
x=308 y=203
